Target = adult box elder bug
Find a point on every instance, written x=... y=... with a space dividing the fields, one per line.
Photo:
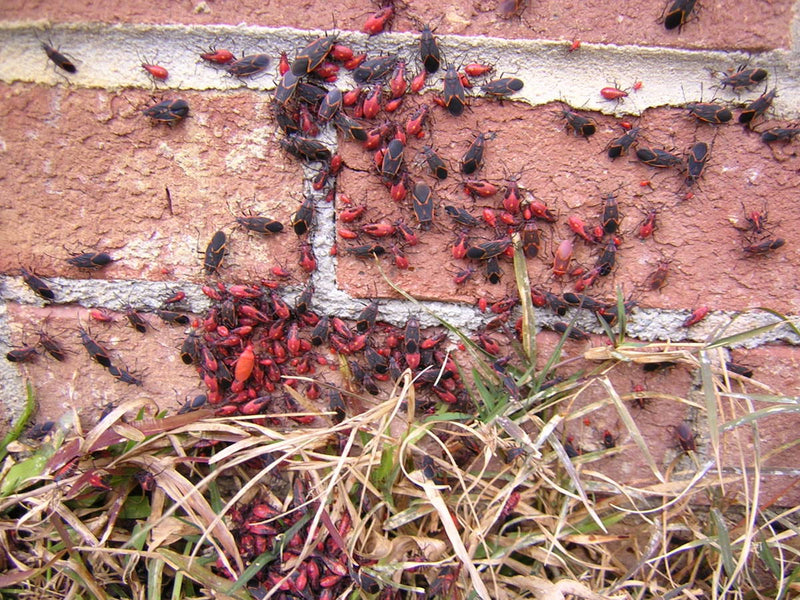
x=168 y=111
x=454 y=95
x=91 y=260
x=678 y=14
x=59 y=59
x=36 y=284
x=215 y=252
x=429 y=50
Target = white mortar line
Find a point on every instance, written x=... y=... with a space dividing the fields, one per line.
x=109 y=57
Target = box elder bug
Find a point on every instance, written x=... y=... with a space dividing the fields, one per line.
x=168 y=111
x=454 y=95
x=36 y=284
x=678 y=14
x=248 y=66
x=59 y=59
x=215 y=252
x=313 y=55
x=91 y=260
x=696 y=162
x=757 y=108
x=429 y=51
x=501 y=88
x=744 y=78
x=621 y=145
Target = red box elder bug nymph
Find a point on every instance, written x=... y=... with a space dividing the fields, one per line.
x=215 y=252
x=168 y=111
x=59 y=59
x=36 y=284
x=218 y=57
x=156 y=71
x=501 y=88
x=678 y=14
x=247 y=66
x=91 y=260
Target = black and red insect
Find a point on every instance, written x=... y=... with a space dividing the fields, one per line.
x=685 y=437
x=500 y=88
x=473 y=157
x=422 y=199
x=435 y=162
x=678 y=13
x=263 y=225
x=302 y=219
x=24 y=354
x=709 y=112
x=578 y=124
x=168 y=111
x=39 y=286
x=455 y=98
x=429 y=51
x=757 y=108
x=250 y=65
x=215 y=252
x=95 y=350
x=61 y=61
x=489 y=250
x=661 y=159
x=621 y=145
x=744 y=78
x=313 y=55
x=52 y=346
x=91 y=260
x=696 y=162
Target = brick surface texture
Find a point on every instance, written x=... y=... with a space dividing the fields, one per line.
x=83 y=170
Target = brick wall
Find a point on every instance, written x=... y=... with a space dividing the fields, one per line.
x=83 y=169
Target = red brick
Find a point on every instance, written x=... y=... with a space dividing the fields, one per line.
x=725 y=24
x=706 y=262
x=85 y=170
x=82 y=384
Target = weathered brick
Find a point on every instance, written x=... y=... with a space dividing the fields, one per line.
x=86 y=170
x=745 y=26
x=571 y=175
